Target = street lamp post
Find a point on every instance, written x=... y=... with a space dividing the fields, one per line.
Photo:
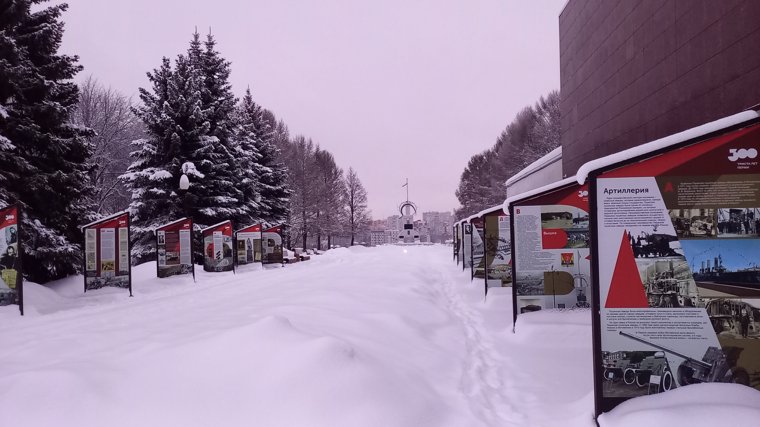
x=184 y=186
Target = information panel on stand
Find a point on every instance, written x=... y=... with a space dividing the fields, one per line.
x=107 y=253
x=467 y=245
x=249 y=246
x=217 y=247
x=551 y=250
x=478 y=248
x=498 y=249
x=174 y=248
x=11 y=281
x=272 y=245
x=677 y=280
x=456 y=242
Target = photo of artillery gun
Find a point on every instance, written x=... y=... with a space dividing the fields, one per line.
x=670 y=288
x=652 y=245
x=620 y=365
x=715 y=366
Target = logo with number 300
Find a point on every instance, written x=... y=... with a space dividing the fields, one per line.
x=742 y=153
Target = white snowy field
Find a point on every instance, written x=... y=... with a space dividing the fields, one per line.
x=389 y=336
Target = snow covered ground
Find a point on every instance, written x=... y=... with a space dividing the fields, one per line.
x=389 y=336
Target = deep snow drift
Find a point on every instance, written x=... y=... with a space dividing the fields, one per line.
x=389 y=336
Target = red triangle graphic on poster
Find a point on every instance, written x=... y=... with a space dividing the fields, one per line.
x=626 y=289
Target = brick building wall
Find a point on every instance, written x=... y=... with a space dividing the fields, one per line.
x=636 y=70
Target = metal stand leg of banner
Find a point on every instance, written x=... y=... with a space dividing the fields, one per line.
x=20 y=275
x=192 y=248
x=472 y=255
x=129 y=251
x=485 y=258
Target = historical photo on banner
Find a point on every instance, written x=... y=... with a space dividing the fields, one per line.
x=174 y=248
x=10 y=259
x=272 y=245
x=467 y=245
x=552 y=261
x=106 y=252
x=498 y=249
x=217 y=247
x=249 y=244
x=478 y=248
x=679 y=281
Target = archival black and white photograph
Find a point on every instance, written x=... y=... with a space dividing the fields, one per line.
x=530 y=283
x=694 y=223
x=739 y=222
x=668 y=283
x=636 y=373
x=654 y=243
x=564 y=217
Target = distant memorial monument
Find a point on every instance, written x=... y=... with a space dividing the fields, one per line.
x=408 y=235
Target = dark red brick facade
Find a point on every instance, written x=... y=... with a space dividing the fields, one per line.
x=637 y=70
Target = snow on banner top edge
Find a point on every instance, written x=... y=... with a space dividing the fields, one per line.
x=492 y=209
x=216 y=225
x=249 y=226
x=537 y=165
x=668 y=141
x=104 y=219
x=170 y=223
x=548 y=187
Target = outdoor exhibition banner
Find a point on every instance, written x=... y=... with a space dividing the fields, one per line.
x=272 y=245
x=249 y=244
x=11 y=280
x=478 y=249
x=174 y=248
x=460 y=241
x=217 y=247
x=498 y=249
x=107 y=253
x=455 y=246
x=467 y=245
x=676 y=267
x=551 y=250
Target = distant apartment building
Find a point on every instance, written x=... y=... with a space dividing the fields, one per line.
x=377 y=237
x=394 y=222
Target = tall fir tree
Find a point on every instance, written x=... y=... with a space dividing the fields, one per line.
x=189 y=119
x=177 y=133
x=44 y=158
x=234 y=200
x=272 y=174
x=248 y=162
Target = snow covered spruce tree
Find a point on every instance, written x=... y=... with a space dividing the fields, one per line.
x=43 y=157
x=263 y=160
x=188 y=115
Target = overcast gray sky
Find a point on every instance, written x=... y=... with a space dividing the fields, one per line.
x=393 y=88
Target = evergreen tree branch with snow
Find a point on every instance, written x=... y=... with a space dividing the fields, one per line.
x=44 y=156
x=189 y=117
